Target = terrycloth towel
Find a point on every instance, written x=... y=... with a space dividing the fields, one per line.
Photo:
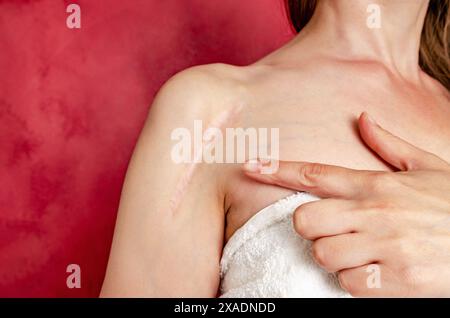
x=267 y=258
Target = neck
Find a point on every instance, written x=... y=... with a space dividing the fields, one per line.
x=349 y=30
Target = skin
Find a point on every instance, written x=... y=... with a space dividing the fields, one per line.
x=313 y=90
x=399 y=221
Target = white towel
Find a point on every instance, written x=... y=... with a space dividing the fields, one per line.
x=267 y=258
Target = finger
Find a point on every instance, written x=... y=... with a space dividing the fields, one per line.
x=329 y=217
x=339 y=252
x=395 y=150
x=372 y=280
x=319 y=179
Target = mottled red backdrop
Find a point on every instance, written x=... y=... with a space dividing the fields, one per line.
x=72 y=103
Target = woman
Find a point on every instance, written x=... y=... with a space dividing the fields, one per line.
x=175 y=219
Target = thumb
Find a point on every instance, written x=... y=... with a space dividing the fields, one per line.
x=395 y=150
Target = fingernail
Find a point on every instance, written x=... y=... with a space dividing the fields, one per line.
x=252 y=165
x=269 y=166
x=370 y=119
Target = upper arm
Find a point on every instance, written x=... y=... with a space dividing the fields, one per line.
x=169 y=230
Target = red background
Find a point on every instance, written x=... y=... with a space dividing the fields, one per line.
x=72 y=103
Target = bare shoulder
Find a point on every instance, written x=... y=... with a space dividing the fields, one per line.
x=175 y=200
x=199 y=92
x=202 y=92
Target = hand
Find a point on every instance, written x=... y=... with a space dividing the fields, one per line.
x=396 y=223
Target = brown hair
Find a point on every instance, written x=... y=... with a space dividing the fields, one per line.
x=434 y=46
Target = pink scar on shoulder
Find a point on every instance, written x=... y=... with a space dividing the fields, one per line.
x=221 y=122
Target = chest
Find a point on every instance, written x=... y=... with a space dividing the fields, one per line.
x=323 y=128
